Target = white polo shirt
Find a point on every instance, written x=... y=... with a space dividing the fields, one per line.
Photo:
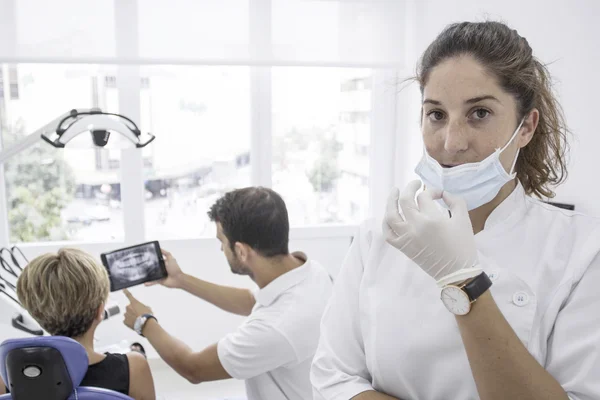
x=386 y=328
x=274 y=347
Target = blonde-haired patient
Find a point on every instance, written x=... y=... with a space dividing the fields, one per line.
x=65 y=293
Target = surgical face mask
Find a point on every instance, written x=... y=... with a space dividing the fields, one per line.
x=477 y=183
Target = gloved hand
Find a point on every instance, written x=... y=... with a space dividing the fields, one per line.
x=442 y=246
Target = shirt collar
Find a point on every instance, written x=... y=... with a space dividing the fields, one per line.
x=513 y=207
x=267 y=295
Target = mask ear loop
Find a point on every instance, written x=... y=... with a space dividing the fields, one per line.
x=512 y=168
x=511 y=173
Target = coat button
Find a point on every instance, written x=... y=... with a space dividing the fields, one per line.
x=521 y=299
x=493 y=275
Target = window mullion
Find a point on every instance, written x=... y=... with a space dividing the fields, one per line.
x=128 y=87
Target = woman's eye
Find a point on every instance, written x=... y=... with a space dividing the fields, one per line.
x=480 y=113
x=435 y=115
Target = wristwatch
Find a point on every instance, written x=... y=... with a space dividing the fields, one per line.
x=458 y=297
x=140 y=321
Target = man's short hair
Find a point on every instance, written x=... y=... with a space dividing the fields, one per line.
x=256 y=216
x=63 y=291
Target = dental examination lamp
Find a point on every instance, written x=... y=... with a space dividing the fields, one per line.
x=78 y=126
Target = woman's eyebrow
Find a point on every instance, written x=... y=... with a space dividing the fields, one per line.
x=481 y=98
x=469 y=101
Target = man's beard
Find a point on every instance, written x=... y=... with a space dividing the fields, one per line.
x=238 y=268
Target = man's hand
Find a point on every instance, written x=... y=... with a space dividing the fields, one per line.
x=174 y=272
x=134 y=310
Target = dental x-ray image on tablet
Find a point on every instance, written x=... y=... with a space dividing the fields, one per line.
x=134 y=265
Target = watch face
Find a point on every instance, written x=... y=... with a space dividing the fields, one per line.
x=455 y=300
x=137 y=325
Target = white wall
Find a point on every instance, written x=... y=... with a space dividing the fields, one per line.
x=563 y=33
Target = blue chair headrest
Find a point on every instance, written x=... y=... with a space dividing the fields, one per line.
x=73 y=353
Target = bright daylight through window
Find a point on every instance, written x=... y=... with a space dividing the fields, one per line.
x=201 y=119
x=321 y=137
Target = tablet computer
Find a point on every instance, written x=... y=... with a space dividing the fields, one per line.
x=134 y=265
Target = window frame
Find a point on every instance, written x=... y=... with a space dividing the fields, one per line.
x=381 y=149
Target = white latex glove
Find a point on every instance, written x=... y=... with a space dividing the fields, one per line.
x=442 y=246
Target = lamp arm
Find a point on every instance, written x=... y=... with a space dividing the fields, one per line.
x=33 y=137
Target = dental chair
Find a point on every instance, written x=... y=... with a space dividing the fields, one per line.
x=48 y=368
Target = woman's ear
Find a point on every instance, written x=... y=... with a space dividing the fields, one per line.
x=100 y=312
x=528 y=129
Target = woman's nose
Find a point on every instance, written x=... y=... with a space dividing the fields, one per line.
x=455 y=138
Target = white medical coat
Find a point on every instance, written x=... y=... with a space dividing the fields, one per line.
x=386 y=328
x=273 y=349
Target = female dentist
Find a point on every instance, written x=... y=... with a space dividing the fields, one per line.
x=497 y=298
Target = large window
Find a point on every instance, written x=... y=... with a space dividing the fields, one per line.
x=321 y=137
x=52 y=194
x=201 y=119
x=321 y=130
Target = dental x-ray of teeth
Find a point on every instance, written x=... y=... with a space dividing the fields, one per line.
x=134 y=265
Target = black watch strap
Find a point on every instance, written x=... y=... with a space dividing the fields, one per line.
x=148 y=316
x=477 y=286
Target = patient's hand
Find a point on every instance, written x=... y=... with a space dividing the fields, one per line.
x=174 y=272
